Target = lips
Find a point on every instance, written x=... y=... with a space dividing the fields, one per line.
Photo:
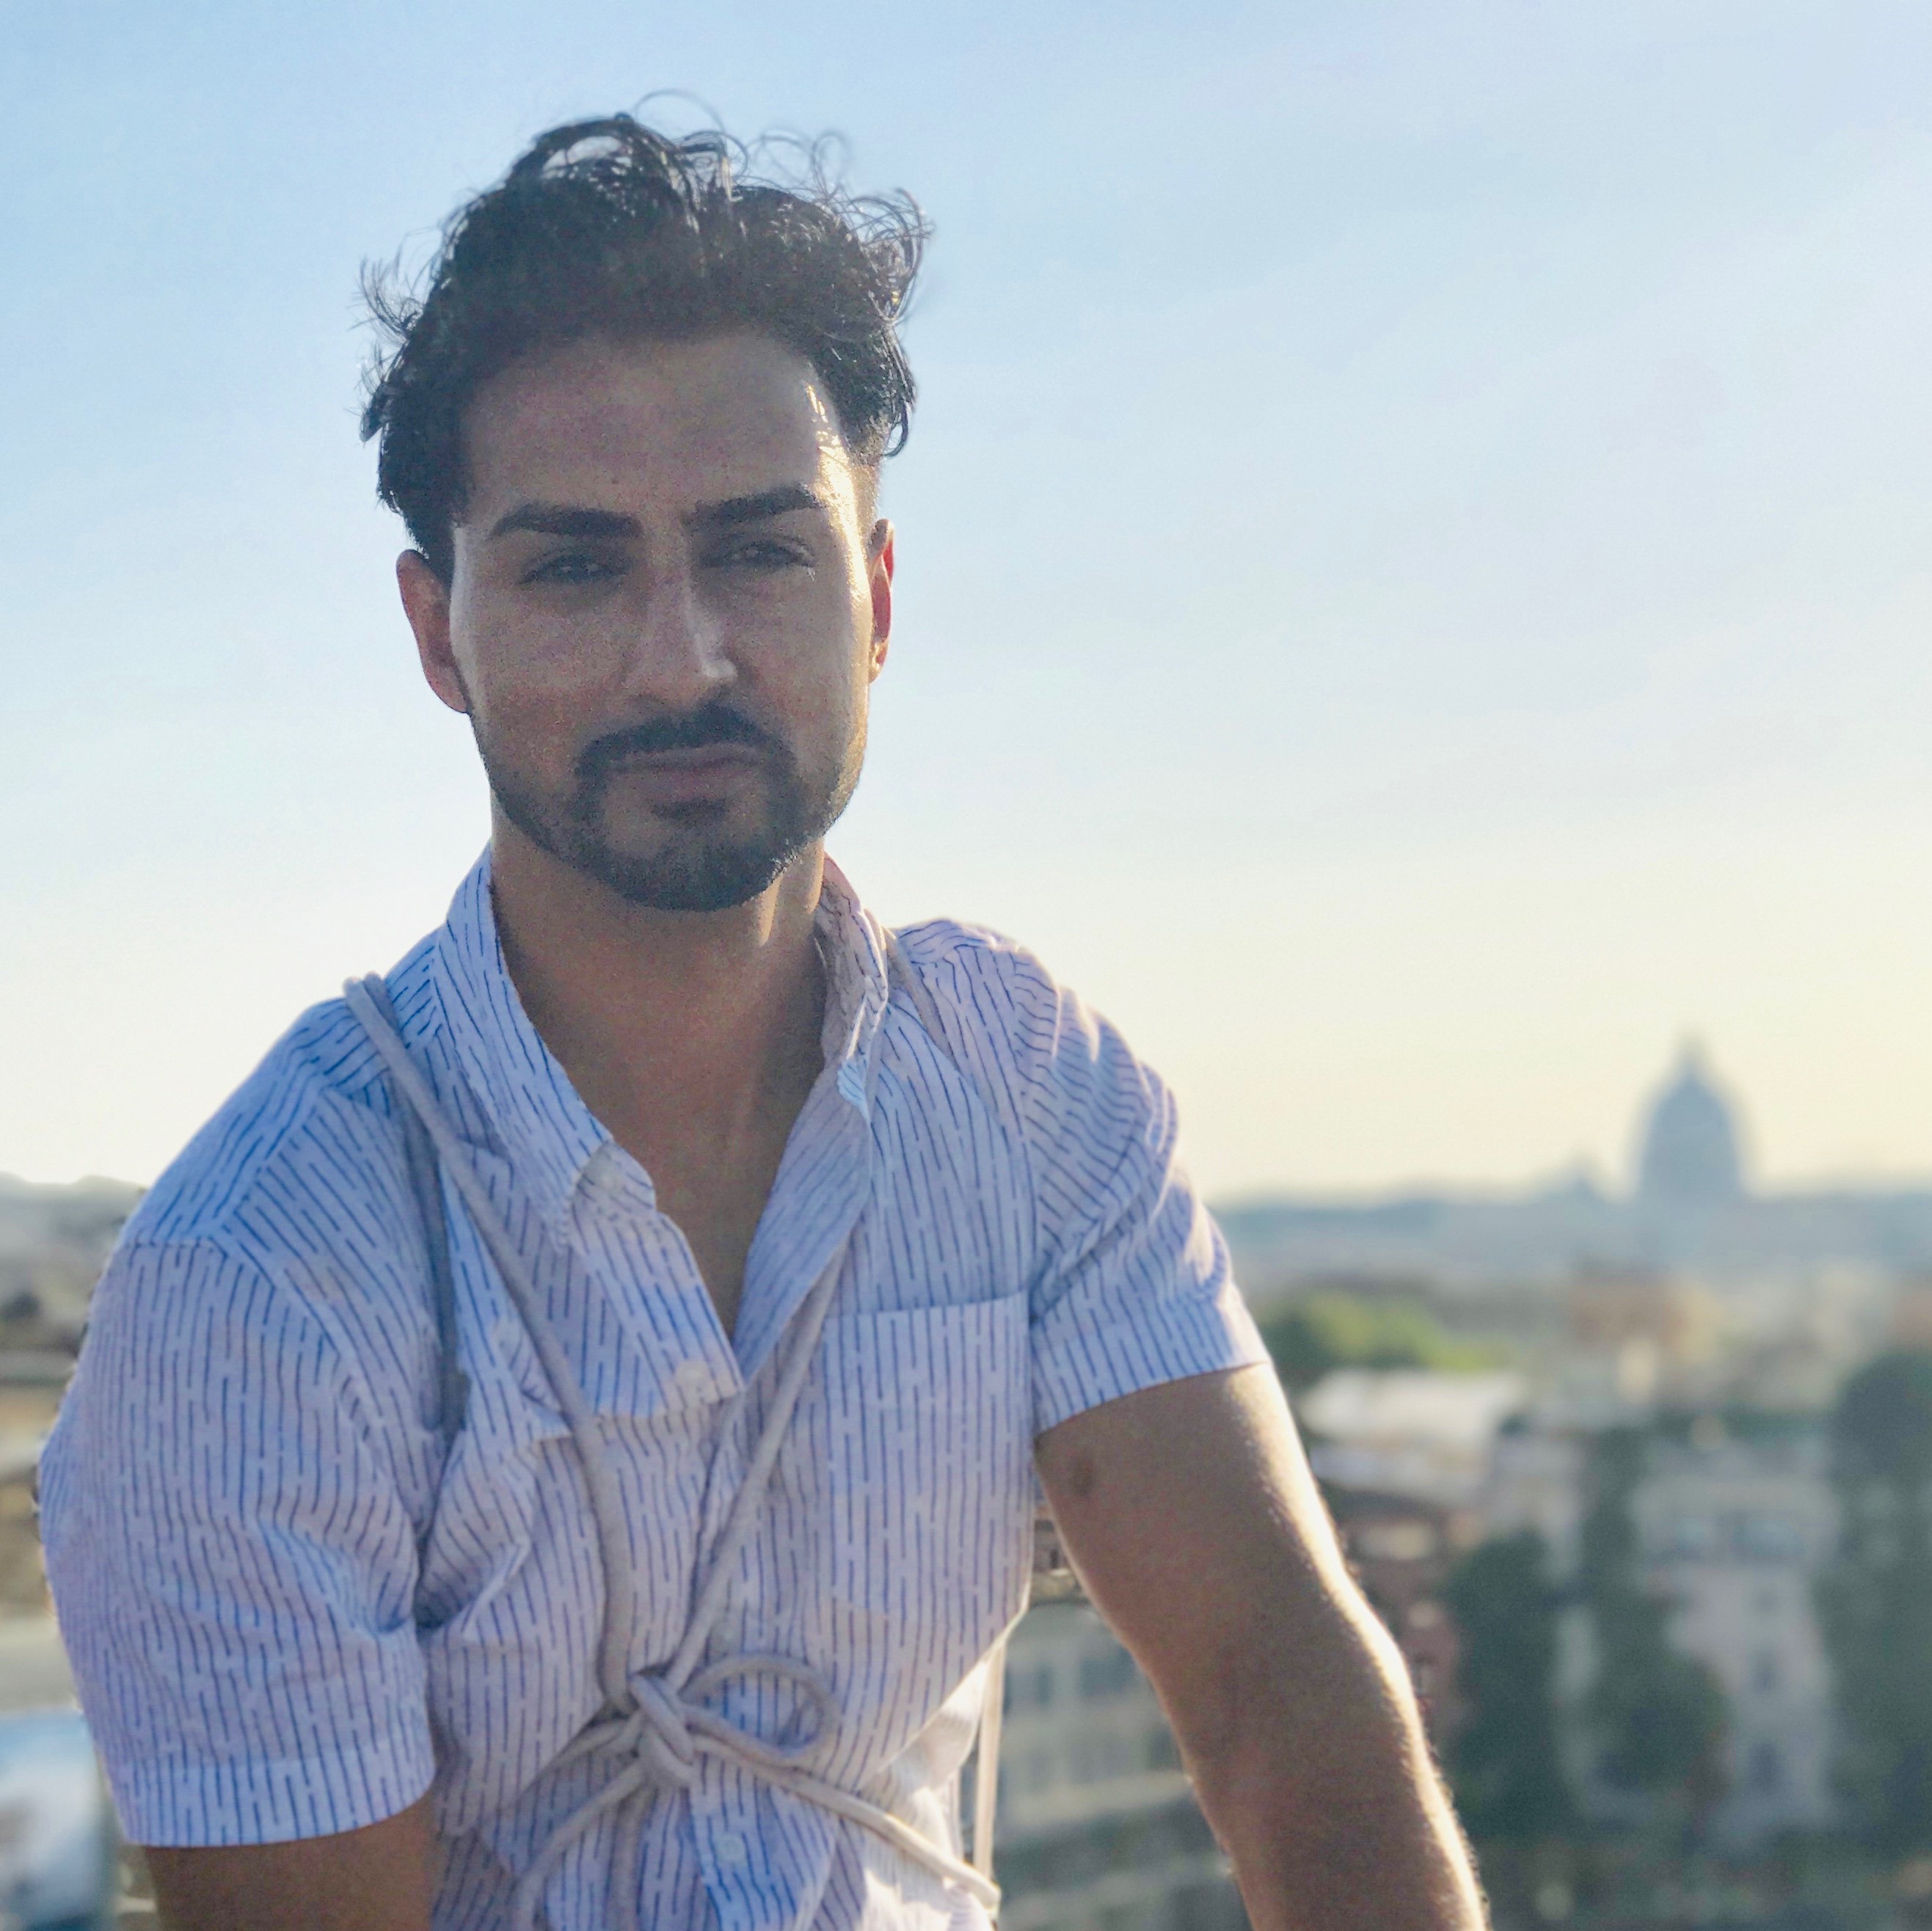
x=699 y=774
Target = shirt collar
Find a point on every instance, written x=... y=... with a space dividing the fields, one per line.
x=852 y=943
x=549 y=1135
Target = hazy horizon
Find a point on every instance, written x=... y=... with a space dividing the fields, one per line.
x=1615 y=1179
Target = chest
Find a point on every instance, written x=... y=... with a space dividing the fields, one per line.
x=893 y=1545
x=713 y=1174
x=715 y=1207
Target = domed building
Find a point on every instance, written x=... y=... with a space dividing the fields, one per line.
x=1691 y=1152
x=1697 y=1212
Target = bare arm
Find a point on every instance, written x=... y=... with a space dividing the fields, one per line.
x=1190 y=1513
x=377 y=1879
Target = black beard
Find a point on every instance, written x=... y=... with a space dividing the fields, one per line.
x=699 y=866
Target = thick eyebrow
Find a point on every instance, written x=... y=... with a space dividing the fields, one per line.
x=543 y=519
x=733 y=510
x=562 y=520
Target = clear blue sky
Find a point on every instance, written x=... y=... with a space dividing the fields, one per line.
x=1416 y=585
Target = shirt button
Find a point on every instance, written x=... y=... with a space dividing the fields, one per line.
x=731 y=1849
x=694 y=1381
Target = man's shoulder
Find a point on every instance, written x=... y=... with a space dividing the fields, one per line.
x=996 y=982
x=1019 y=1023
x=282 y=1232
x=311 y=1115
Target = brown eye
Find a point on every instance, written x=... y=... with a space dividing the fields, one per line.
x=570 y=567
x=761 y=553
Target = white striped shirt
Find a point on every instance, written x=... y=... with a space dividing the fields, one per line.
x=291 y=1613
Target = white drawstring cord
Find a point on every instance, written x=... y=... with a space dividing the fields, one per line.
x=655 y=1721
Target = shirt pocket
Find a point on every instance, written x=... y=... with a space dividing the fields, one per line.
x=926 y=1434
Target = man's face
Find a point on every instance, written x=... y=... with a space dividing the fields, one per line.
x=666 y=613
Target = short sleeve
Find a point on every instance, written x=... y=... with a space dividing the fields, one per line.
x=1135 y=1287
x=232 y=1563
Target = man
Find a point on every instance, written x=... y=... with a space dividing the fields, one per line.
x=560 y=1444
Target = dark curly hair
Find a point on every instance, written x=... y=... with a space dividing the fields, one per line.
x=608 y=227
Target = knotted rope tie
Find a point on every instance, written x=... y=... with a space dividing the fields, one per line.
x=668 y=1727
x=658 y=1731
x=656 y=1746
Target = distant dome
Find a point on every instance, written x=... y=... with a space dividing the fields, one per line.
x=1690 y=1155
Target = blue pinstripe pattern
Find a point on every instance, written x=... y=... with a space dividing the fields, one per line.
x=293 y=1610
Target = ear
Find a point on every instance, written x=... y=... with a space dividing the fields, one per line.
x=879 y=577
x=426 y=604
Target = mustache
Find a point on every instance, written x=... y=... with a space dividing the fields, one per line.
x=717 y=722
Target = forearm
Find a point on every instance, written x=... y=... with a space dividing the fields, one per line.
x=1318 y=1781
x=1192 y=1515
x=379 y=1878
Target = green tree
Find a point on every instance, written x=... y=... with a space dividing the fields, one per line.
x=1508 y=1770
x=1659 y=1717
x=1342 y=1330
x=1875 y=1603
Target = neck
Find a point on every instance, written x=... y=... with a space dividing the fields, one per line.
x=693 y=1020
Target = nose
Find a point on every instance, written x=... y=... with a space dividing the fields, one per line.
x=678 y=656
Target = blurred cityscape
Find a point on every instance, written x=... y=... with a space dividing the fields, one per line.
x=58 y=1866
x=1640 y=1478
